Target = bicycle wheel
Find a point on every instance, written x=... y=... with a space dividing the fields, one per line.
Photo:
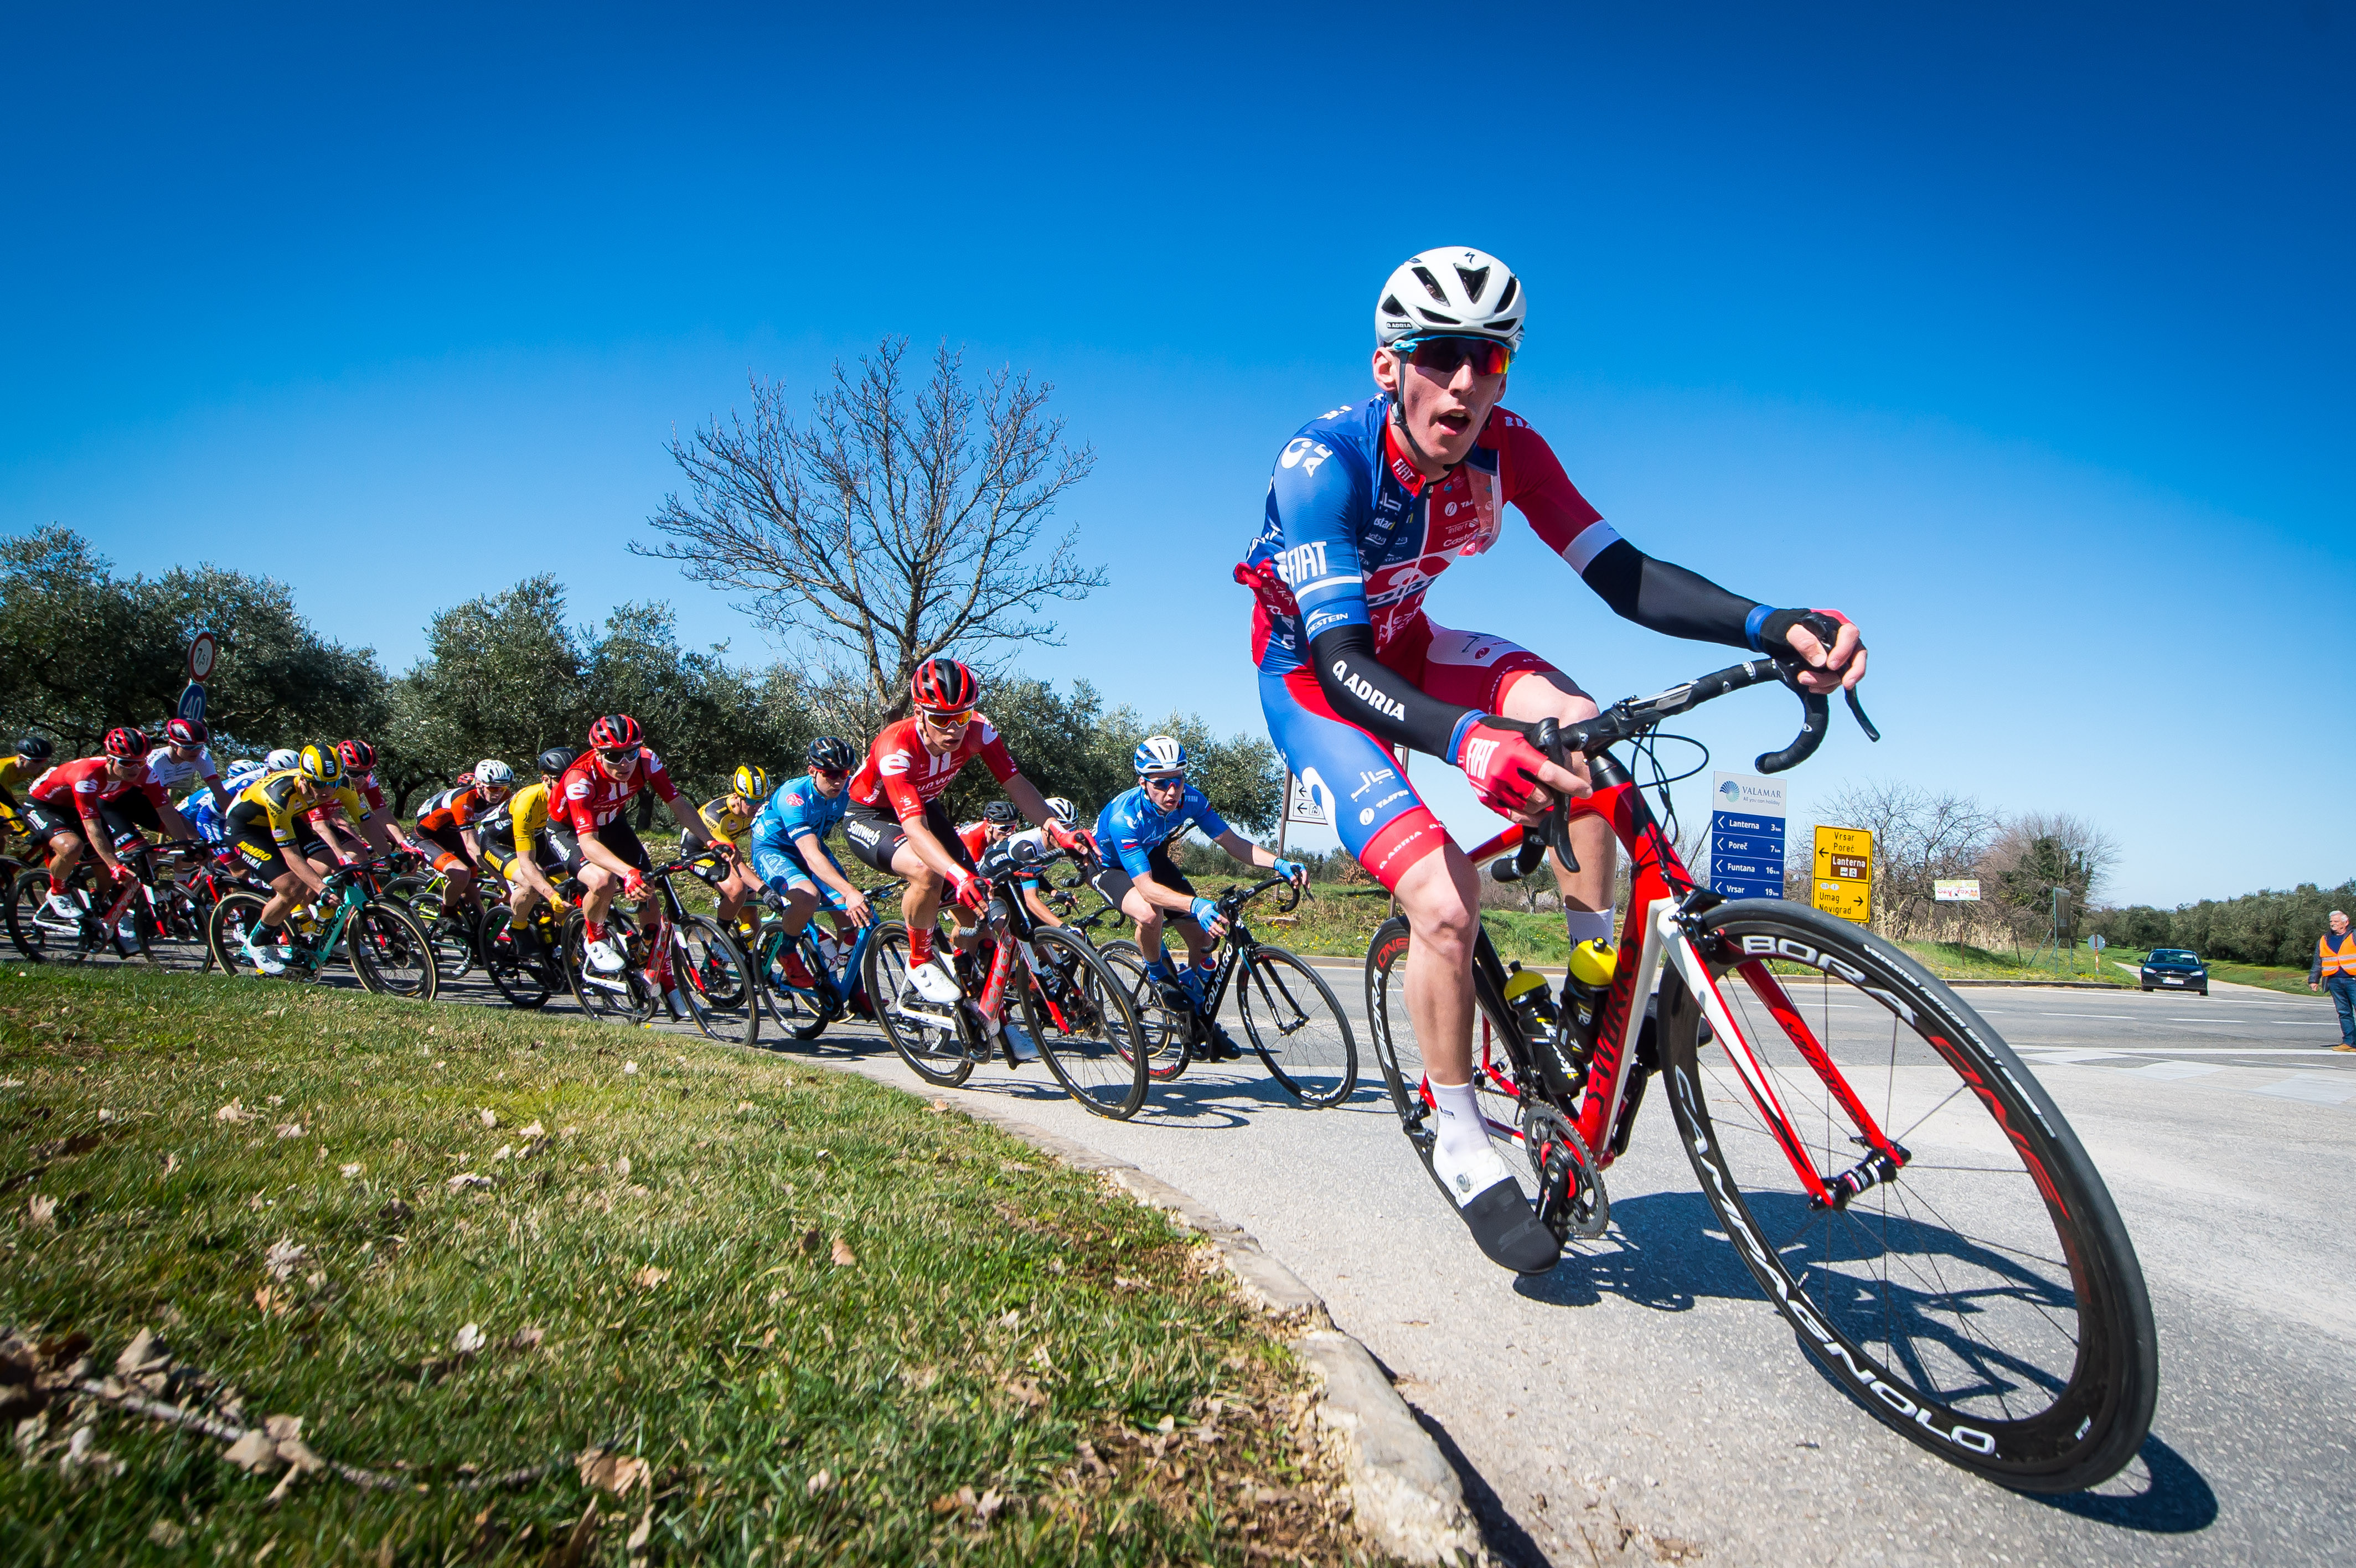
x=715 y=979
x=1165 y=1033
x=521 y=972
x=799 y=1012
x=1297 y=1026
x=235 y=917
x=624 y=998
x=1079 y=1013
x=180 y=942
x=936 y=1042
x=30 y=927
x=1983 y=1298
x=389 y=950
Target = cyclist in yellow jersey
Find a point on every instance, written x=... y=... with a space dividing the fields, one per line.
x=269 y=824
x=35 y=757
x=515 y=844
x=728 y=819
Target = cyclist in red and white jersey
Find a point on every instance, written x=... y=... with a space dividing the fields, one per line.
x=897 y=825
x=88 y=801
x=585 y=810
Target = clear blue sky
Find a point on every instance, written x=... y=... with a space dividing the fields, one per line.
x=2022 y=333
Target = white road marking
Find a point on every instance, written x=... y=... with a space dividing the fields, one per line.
x=2337 y=1090
x=2165 y=1070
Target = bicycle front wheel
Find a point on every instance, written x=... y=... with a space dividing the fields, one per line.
x=1299 y=1029
x=390 y=953
x=1079 y=1012
x=513 y=960
x=1982 y=1297
x=1166 y=1033
x=799 y=1012
x=936 y=1042
x=716 y=981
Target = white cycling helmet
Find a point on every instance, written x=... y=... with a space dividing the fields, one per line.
x=1062 y=810
x=1455 y=293
x=284 y=760
x=493 y=773
x=1159 y=754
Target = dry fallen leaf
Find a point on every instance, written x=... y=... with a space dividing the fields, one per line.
x=290 y=1129
x=1027 y=1391
x=171 y=1164
x=1096 y=1467
x=649 y=1276
x=348 y=1171
x=940 y=1105
x=528 y=1339
x=42 y=1211
x=468 y=1340
x=630 y=1069
x=279 y=1428
x=616 y=1473
x=843 y=1256
x=505 y=1151
x=989 y=1504
x=282 y=1256
x=232 y=1112
x=534 y=1131
x=645 y=1528
x=254 y=1451
x=1013 y=1319
x=818 y=1483
x=467 y=1178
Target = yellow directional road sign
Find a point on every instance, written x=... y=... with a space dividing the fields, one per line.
x=1844 y=880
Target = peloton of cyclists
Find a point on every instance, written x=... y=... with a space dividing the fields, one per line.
x=1136 y=875
x=1365 y=505
x=273 y=828
x=93 y=802
x=449 y=825
x=789 y=854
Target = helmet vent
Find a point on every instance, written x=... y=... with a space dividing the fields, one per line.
x=1438 y=319
x=1430 y=283
x=1506 y=301
x=1474 y=279
x=1391 y=306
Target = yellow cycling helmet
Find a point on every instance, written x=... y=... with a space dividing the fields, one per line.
x=751 y=783
x=321 y=765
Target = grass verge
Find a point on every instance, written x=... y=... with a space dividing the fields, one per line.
x=805 y=1317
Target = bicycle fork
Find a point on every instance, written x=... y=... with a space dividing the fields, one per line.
x=1669 y=943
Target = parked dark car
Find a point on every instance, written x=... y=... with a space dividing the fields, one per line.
x=2174 y=969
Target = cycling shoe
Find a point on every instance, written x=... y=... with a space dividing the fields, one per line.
x=1507 y=1234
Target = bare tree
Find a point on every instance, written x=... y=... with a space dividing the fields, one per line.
x=897 y=524
x=1919 y=837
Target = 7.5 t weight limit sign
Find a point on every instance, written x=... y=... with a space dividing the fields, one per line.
x=1844 y=880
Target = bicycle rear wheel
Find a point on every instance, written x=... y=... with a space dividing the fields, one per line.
x=523 y=975
x=1982 y=1298
x=1079 y=1011
x=1297 y=1026
x=715 y=979
x=936 y=1043
x=27 y=899
x=389 y=950
x=236 y=916
x=1165 y=1033
x=797 y=1011
x=623 y=998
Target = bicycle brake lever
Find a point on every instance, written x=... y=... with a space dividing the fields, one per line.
x=1857 y=708
x=1548 y=738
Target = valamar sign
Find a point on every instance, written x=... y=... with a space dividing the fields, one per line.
x=1746 y=836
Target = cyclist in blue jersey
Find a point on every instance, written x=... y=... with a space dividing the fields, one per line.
x=1136 y=875
x=789 y=852
x=202 y=810
x=1367 y=504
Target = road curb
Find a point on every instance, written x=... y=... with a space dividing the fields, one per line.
x=1405 y=1496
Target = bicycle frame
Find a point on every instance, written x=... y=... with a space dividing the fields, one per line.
x=1662 y=898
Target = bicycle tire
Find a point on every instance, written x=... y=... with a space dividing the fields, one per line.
x=941 y=1055
x=716 y=981
x=523 y=982
x=1167 y=1034
x=1276 y=996
x=800 y=1013
x=2026 y=1355
x=383 y=943
x=630 y=1006
x=233 y=916
x=1080 y=1014
x=26 y=897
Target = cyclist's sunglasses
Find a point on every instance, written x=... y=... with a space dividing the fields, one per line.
x=831 y=772
x=1445 y=356
x=950 y=720
x=1158 y=779
x=617 y=753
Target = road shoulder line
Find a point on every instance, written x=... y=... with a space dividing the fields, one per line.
x=1405 y=1496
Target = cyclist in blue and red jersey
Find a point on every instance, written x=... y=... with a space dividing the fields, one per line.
x=1367 y=505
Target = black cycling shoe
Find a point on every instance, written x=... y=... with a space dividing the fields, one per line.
x=1218 y=1045
x=1507 y=1234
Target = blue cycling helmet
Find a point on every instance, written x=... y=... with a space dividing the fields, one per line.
x=1161 y=755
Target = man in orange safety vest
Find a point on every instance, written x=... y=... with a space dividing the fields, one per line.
x=2335 y=968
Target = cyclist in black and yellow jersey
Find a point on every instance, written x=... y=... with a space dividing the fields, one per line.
x=35 y=757
x=728 y=819
x=515 y=843
x=271 y=825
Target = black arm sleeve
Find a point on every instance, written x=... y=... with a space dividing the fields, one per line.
x=1664 y=598
x=1380 y=700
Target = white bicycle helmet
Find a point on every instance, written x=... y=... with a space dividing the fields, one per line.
x=284 y=760
x=493 y=773
x=1453 y=292
x=1062 y=810
x=1159 y=754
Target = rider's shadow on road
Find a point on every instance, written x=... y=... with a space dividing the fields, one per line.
x=1664 y=1250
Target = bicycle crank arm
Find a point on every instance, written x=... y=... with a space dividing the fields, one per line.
x=619 y=988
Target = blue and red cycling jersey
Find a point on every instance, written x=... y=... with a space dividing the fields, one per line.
x=1131 y=827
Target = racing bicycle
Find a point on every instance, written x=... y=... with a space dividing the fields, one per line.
x=834 y=966
x=386 y=948
x=1072 y=1004
x=683 y=965
x=1903 y=1189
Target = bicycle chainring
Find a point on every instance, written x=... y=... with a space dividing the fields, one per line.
x=1571 y=1198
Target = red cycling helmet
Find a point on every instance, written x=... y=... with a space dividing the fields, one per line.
x=186 y=731
x=357 y=756
x=127 y=743
x=944 y=685
x=616 y=732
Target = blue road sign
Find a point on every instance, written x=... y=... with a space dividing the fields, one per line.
x=1746 y=842
x=192 y=701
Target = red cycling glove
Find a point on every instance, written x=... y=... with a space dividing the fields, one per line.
x=634 y=887
x=1068 y=839
x=1501 y=763
x=968 y=889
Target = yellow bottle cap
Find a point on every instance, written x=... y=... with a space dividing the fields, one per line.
x=1592 y=962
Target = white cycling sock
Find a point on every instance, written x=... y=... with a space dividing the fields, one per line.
x=1462 y=1157
x=1586 y=925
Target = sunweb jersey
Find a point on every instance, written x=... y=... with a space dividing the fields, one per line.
x=86 y=782
x=901 y=776
x=588 y=797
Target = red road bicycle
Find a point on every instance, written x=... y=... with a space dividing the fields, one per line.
x=1906 y=1192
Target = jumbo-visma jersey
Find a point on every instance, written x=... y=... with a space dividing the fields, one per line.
x=1357 y=533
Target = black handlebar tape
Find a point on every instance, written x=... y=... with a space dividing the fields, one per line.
x=1548 y=738
x=1857 y=708
x=1804 y=745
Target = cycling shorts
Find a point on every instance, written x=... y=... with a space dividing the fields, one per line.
x=616 y=836
x=500 y=854
x=781 y=868
x=876 y=836
x=1355 y=778
x=128 y=814
x=259 y=853
x=1114 y=883
x=46 y=822
x=445 y=849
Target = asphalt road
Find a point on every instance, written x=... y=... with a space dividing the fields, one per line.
x=1644 y=1403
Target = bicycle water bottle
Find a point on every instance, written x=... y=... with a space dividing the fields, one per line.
x=1592 y=966
x=1532 y=1004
